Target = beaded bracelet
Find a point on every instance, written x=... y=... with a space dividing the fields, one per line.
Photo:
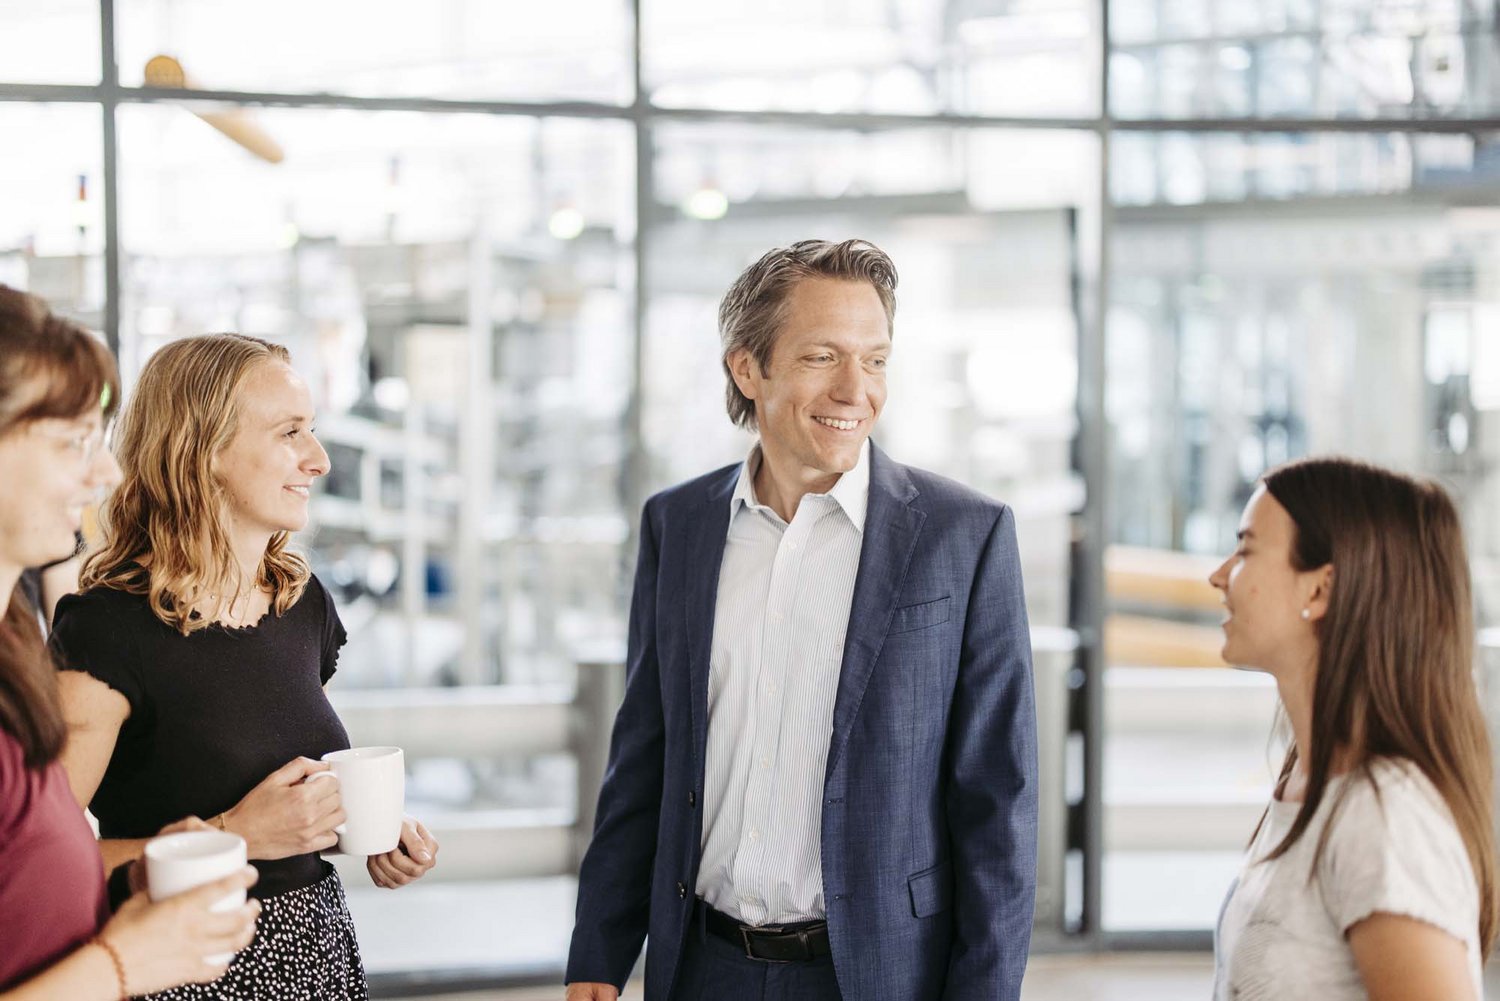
x=114 y=958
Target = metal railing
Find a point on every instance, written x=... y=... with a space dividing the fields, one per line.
x=480 y=722
x=497 y=720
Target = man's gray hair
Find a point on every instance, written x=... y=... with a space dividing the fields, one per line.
x=752 y=311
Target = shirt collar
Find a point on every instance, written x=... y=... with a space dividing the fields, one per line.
x=851 y=492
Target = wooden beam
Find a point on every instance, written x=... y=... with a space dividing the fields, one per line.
x=1142 y=641
x=1160 y=577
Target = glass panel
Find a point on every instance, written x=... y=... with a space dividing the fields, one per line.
x=1179 y=168
x=1345 y=58
x=458 y=291
x=1034 y=58
x=1362 y=325
x=981 y=225
x=52 y=208
x=567 y=50
x=55 y=42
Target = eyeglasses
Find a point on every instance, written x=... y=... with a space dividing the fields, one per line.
x=83 y=444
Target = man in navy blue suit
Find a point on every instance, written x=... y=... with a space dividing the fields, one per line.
x=822 y=779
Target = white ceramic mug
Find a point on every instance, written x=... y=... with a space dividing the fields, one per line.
x=176 y=863
x=372 y=789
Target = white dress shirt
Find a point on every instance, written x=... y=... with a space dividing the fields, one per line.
x=779 y=624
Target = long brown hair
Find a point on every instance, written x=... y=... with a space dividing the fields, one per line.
x=1395 y=671
x=164 y=532
x=49 y=367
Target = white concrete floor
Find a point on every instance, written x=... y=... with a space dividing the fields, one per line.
x=1119 y=977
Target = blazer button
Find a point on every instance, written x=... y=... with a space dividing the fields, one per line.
x=692 y=798
x=681 y=892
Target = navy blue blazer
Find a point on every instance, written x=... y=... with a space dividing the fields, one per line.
x=930 y=798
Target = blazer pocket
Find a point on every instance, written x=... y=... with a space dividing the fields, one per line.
x=920 y=616
x=931 y=889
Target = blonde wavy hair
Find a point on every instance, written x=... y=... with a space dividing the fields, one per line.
x=164 y=528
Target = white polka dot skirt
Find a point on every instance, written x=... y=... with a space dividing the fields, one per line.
x=304 y=950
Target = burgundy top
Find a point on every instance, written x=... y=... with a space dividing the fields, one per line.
x=52 y=896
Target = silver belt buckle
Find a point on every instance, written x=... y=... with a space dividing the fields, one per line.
x=745 y=931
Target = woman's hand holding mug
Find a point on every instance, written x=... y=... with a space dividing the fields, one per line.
x=409 y=860
x=137 y=871
x=292 y=812
x=161 y=945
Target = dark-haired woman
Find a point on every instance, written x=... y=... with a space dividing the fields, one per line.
x=56 y=938
x=1372 y=872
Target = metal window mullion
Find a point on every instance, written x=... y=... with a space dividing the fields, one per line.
x=1095 y=465
x=117 y=95
x=634 y=477
x=109 y=91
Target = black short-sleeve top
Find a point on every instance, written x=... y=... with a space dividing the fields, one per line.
x=211 y=713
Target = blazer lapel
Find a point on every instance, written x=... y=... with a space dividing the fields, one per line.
x=705 y=555
x=891 y=528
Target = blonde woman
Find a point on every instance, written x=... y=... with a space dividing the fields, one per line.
x=1372 y=872
x=197 y=654
x=57 y=940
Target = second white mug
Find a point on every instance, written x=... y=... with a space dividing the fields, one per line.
x=175 y=863
x=372 y=787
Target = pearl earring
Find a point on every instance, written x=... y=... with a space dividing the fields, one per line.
x=1306 y=614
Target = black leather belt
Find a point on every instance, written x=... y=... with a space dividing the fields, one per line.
x=770 y=943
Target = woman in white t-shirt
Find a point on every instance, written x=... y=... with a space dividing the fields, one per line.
x=1372 y=872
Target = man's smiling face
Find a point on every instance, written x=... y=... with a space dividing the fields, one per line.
x=824 y=388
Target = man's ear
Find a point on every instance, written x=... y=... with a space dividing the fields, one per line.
x=745 y=372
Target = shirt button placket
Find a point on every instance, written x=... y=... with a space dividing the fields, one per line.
x=775 y=650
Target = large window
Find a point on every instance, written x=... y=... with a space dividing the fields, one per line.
x=53 y=43
x=573 y=50
x=1334 y=295
x=1410 y=59
x=1025 y=60
x=52 y=205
